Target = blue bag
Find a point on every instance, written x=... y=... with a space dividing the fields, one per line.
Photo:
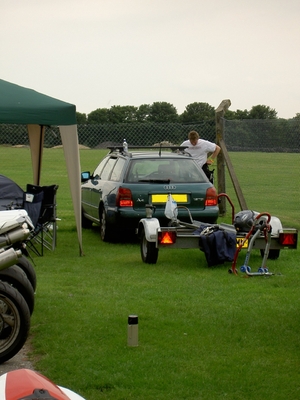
x=218 y=246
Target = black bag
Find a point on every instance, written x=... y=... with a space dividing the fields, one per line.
x=208 y=173
x=218 y=245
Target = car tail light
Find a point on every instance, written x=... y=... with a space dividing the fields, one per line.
x=288 y=239
x=211 y=198
x=124 y=198
x=168 y=237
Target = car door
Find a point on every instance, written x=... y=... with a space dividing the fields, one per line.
x=101 y=186
x=88 y=187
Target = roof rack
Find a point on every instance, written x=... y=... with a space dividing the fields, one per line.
x=173 y=148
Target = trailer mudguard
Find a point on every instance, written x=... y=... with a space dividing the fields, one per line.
x=275 y=225
x=150 y=226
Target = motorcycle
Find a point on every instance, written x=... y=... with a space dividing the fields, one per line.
x=25 y=384
x=16 y=294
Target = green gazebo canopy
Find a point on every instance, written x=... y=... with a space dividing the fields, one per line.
x=19 y=105
x=23 y=106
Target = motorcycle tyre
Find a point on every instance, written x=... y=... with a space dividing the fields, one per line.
x=29 y=270
x=13 y=338
x=17 y=278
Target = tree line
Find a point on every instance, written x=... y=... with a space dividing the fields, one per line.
x=166 y=112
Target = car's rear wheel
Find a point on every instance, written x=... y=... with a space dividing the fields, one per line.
x=149 y=251
x=105 y=229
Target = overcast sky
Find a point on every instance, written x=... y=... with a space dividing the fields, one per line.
x=100 y=53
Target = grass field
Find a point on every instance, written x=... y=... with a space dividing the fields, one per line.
x=203 y=333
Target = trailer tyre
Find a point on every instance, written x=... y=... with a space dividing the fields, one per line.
x=149 y=252
x=273 y=254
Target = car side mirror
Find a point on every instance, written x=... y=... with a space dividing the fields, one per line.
x=85 y=176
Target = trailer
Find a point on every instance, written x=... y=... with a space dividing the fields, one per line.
x=267 y=232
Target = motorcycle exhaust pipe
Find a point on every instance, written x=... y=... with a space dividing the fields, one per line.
x=9 y=257
x=16 y=235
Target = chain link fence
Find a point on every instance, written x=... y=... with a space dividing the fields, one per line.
x=240 y=135
x=265 y=135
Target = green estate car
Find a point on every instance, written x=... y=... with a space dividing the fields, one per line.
x=124 y=182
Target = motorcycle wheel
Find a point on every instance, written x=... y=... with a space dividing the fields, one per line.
x=17 y=278
x=29 y=270
x=14 y=321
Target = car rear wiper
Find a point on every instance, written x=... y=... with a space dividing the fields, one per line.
x=155 y=180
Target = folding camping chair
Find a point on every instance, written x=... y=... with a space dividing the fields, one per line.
x=44 y=234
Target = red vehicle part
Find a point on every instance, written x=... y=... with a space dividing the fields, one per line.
x=230 y=202
x=24 y=384
x=211 y=198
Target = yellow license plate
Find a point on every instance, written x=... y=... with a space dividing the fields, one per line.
x=162 y=198
x=239 y=242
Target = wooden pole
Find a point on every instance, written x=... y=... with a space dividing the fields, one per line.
x=234 y=179
x=219 y=116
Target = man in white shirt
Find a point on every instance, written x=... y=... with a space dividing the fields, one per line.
x=199 y=148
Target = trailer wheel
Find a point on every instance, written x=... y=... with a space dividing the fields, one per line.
x=149 y=252
x=14 y=321
x=273 y=254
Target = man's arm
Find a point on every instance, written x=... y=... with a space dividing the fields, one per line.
x=214 y=155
